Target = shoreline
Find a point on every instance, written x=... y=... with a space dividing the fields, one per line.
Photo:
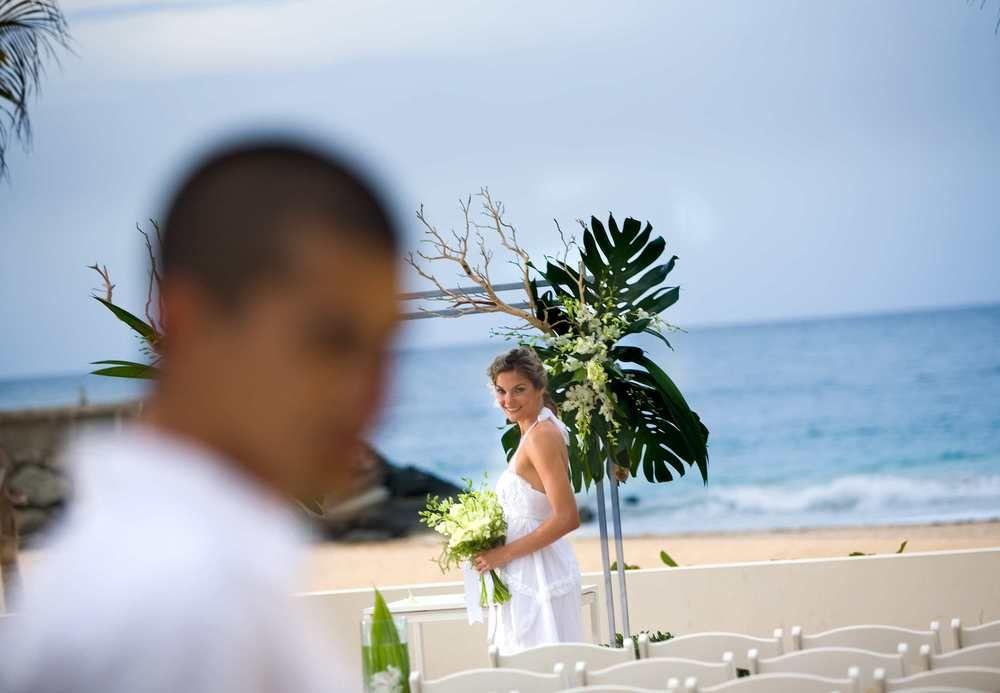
x=349 y=565
x=805 y=529
x=331 y=565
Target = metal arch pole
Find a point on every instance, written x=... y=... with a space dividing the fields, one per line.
x=609 y=597
x=616 y=520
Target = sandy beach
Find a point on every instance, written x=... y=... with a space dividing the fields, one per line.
x=408 y=561
x=333 y=565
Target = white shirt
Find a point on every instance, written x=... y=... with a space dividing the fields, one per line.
x=173 y=573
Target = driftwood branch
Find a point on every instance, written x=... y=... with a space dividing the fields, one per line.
x=108 y=287
x=154 y=277
x=482 y=297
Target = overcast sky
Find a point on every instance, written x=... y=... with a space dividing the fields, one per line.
x=802 y=158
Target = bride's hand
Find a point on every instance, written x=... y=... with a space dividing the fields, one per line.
x=490 y=560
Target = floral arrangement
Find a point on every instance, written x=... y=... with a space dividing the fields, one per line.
x=583 y=353
x=471 y=523
x=628 y=415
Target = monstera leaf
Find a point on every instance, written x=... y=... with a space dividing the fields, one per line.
x=658 y=433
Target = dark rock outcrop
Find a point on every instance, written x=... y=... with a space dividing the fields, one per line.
x=386 y=506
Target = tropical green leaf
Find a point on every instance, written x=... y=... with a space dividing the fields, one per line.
x=649 y=255
x=510 y=440
x=386 y=648
x=638 y=326
x=618 y=259
x=660 y=300
x=659 y=335
x=667 y=560
x=129 y=370
x=630 y=230
x=631 y=293
x=601 y=236
x=614 y=566
x=693 y=432
x=144 y=329
x=113 y=362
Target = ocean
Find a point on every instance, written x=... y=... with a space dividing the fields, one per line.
x=882 y=419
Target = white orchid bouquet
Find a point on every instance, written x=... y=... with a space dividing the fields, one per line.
x=582 y=353
x=472 y=522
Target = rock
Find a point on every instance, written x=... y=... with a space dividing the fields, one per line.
x=37 y=485
x=31 y=522
x=631 y=500
x=385 y=503
x=410 y=482
x=586 y=514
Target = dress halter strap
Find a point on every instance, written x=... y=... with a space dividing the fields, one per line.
x=547 y=413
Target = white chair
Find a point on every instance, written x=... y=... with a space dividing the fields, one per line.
x=785 y=683
x=608 y=689
x=832 y=662
x=654 y=673
x=493 y=680
x=938 y=689
x=884 y=639
x=977 y=678
x=974 y=635
x=709 y=647
x=544 y=657
x=985 y=655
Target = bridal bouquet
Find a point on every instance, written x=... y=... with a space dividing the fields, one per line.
x=472 y=523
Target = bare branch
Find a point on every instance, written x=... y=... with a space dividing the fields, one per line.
x=154 y=277
x=567 y=245
x=483 y=298
x=494 y=211
x=106 y=278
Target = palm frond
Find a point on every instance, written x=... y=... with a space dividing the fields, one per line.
x=30 y=32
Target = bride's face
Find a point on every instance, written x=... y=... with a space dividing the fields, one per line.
x=516 y=395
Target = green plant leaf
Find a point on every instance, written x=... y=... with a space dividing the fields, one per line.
x=693 y=432
x=614 y=566
x=660 y=300
x=126 y=369
x=659 y=336
x=630 y=230
x=144 y=329
x=386 y=648
x=510 y=440
x=667 y=560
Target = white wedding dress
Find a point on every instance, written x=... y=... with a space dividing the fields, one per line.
x=544 y=605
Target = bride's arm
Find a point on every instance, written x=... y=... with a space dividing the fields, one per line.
x=547 y=453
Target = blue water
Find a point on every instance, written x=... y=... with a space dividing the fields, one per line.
x=879 y=419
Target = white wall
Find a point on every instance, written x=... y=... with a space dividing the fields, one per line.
x=754 y=598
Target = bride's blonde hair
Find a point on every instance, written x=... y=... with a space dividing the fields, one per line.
x=524 y=360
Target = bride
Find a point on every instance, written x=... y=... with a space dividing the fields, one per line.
x=537 y=562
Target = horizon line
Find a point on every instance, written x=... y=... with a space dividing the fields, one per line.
x=700 y=327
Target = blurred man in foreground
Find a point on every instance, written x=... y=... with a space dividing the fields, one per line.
x=175 y=566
